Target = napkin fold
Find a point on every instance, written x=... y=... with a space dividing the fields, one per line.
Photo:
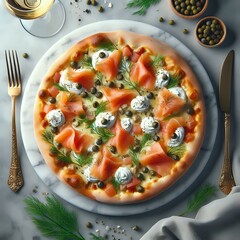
x=218 y=220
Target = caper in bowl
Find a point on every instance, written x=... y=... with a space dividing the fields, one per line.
x=210 y=31
x=189 y=8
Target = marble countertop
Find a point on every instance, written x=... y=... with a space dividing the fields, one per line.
x=15 y=224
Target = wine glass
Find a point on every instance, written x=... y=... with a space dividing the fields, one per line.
x=41 y=18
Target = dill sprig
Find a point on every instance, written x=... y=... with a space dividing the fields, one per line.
x=99 y=76
x=107 y=45
x=52 y=219
x=103 y=133
x=157 y=61
x=125 y=69
x=60 y=156
x=115 y=184
x=200 y=197
x=47 y=136
x=83 y=160
x=145 y=141
x=178 y=151
x=143 y=5
x=174 y=80
x=59 y=87
x=101 y=108
x=86 y=62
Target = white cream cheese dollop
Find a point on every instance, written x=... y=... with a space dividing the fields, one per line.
x=69 y=85
x=55 y=118
x=123 y=175
x=179 y=92
x=150 y=125
x=162 y=78
x=140 y=103
x=96 y=57
x=127 y=124
x=109 y=117
x=178 y=137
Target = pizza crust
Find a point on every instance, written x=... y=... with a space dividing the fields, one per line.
x=136 y=41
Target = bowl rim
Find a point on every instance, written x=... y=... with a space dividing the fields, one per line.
x=189 y=16
x=223 y=27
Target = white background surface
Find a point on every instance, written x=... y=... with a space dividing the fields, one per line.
x=14 y=222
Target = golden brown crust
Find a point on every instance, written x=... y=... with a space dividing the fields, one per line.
x=190 y=80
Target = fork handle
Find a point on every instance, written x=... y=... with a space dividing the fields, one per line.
x=227 y=179
x=15 y=178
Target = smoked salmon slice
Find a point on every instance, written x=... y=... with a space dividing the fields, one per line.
x=106 y=165
x=74 y=140
x=122 y=140
x=118 y=97
x=84 y=77
x=70 y=104
x=109 y=66
x=142 y=72
x=167 y=103
x=155 y=155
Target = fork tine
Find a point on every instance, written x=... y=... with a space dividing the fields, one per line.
x=8 y=68
x=16 y=68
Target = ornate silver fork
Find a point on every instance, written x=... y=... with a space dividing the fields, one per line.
x=15 y=178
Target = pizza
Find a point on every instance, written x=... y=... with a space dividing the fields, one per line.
x=119 y=117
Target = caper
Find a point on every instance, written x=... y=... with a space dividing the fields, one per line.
x=152 y=172
x=54 y=129
x=136 y=148
x=145 y=170
x=95 y=104
x=112 y=85
x=100 y=9
x=140 y=188
x=174 y=136
x=25 y=55
x=100 y=184
x=99 y=141
x=113 y=149
x=155 y=124
x=150 y=95
x=98 y=82
x=104 y=121
x=120 y=76
x=73 y=64
x=79 y=86
x=84 y=94
x=140 y=176
x=161 y=19
x=156 y=138
x=135 y=228
x=93 y=90
x=89 y=225
x=175 y=157
x=129 y=113
x=52 y=100
x=102 y=54
x=94 y=2
x=185 y=31
x=88 y=2
x=95 y=148
x=121 y=86
x=171 y=22
x=99 y=94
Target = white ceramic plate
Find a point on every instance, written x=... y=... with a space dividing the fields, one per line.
x=193 y=176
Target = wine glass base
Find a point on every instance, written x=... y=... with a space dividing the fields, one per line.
x=47 y=25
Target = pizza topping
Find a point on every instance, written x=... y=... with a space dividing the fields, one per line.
x=88 y=175
x=55 y=118
x=140 y=103
x=72 y=87
x=99 y=56
x=105 y=119
x=127 y=124
x=123 y=175
x=177 y=137
x=179 y=92
x=150 y=125
x=163 y=78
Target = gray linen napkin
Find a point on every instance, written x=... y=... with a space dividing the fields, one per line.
x=218 y=220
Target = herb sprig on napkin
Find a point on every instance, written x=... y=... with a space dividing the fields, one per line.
x=143 y=5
